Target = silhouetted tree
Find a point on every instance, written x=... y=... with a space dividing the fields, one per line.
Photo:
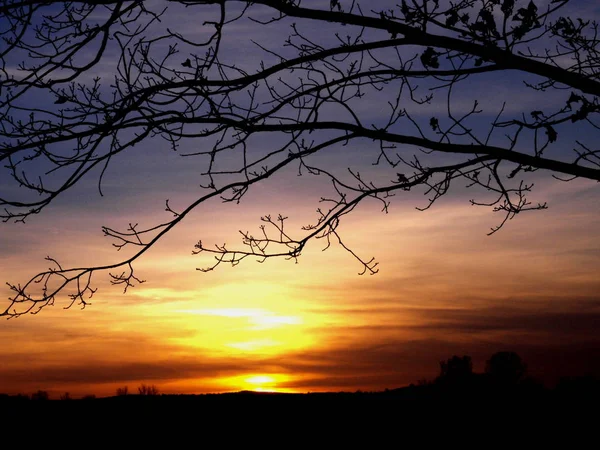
x=144 y=389
x=40 y=395
x=408 y=83
x=122 y=391
x=506 y=368
x=456 y=369
x=65 y=396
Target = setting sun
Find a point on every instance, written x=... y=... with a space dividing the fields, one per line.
x=260 y=380
x=258 y=383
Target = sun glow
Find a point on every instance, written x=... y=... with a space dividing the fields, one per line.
x=260 y=380
x=245 y=330
x=261 y=319
x=258 y=383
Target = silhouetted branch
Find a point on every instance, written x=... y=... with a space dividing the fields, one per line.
x=370 y=78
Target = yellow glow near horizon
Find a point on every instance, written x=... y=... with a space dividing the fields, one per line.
x=317 y=323
x=262 y=319
x=258 y=382
x=245 y=330
x=250 y=346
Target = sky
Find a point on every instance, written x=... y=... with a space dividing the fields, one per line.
x=444 y=286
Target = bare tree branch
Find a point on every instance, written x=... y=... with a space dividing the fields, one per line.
x=393 y=81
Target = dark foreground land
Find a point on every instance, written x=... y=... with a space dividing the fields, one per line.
x=581 y=394
x=459 y=408
x=464 y=416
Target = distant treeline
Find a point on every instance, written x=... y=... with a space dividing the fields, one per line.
x=505 y=379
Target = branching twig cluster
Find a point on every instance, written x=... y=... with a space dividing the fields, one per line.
x=307 y=97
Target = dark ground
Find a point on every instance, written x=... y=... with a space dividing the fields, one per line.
x=458 y=415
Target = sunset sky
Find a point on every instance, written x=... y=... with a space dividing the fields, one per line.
x=444 y=287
